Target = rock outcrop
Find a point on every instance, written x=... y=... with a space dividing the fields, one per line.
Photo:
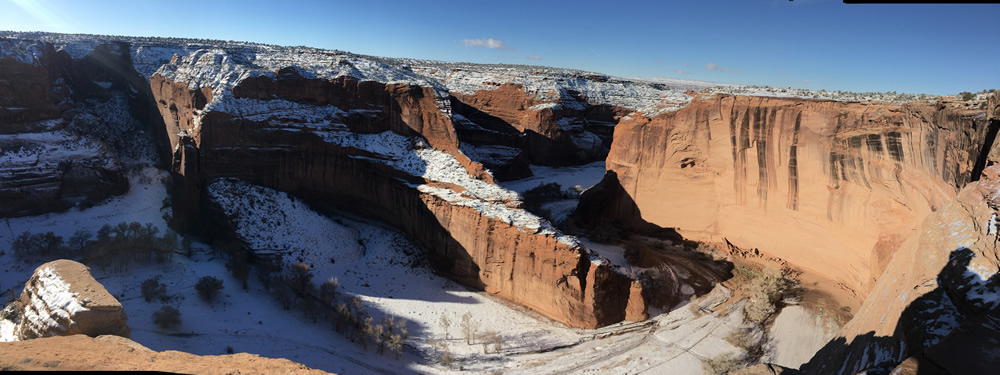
x=386 y=151
x=61 y=299
x=46 y=164
x=847 y=183
x=938 y=297
x=114 y=353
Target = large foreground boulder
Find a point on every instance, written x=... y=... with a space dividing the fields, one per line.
x=60 y=299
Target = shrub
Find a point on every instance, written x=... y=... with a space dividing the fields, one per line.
x=152 y=288
x=766 y=289
x=208 y=288
x=965 y=95
x=167 y=317
x=723 y=364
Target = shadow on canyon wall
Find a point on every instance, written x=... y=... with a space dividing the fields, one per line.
x=940 y=332
x=608 y=214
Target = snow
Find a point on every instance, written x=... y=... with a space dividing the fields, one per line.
x=53 y=300
x=23 y=51
x=281 y=224
x=585 y=176
x=842 y=96
x=495 y=154
x=7 y=333
x=33 y=151
x=614 y=254
x=798 y=334
x=981 y=291
x=371 y=261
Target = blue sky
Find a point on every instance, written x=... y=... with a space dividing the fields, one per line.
x=817 y=44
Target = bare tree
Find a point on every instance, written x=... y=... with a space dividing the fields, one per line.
x=469 y=328
x=445 y=325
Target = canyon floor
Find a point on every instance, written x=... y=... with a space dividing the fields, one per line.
x=389 y=277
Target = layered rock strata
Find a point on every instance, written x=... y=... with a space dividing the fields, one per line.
x=386 y=151
x=846 y=183
x=44 y=165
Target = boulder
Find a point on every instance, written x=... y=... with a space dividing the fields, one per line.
x=60 y=299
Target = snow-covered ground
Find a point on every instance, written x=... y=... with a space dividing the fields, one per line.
x=570 y=179
x=843 y=96
x=377 y=264
x=585 y=176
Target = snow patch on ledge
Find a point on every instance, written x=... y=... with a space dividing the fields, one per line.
x=518 y=218
x=23 y=51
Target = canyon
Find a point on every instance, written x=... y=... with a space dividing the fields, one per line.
x=874 y=198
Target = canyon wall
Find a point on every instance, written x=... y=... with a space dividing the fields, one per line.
x=469 y=240
x=831 y=187
x=936 y=302
x=45 y=164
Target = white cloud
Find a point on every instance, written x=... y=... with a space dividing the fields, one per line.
x=488 y=43
x=533 y=57
x=714 y=66
x=681 y=71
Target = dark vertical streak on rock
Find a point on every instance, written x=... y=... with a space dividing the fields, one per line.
x=744 y=145
x=772 y=178
x=892 y=142
x=793 y=168
x=834 y=170
x=875 y=143
x=732 y=141
x=761 y=139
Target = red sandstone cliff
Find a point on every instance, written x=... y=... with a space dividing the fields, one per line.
x=537 y=270
x=828 y=186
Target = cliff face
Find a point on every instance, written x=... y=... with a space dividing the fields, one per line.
x=549 y=132
x=386 y=151
x=49 y=158
x=937 y=298
x=61 y=299
x=847 y=183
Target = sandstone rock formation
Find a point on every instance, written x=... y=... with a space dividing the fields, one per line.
x=114 y=353
x=847 y=183
x=387 y=151
x=936 y=299
x=60 y=299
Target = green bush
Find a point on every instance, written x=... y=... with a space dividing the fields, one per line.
x=965 y=95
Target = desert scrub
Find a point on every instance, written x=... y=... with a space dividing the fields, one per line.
x=765 y=288
x=723 y=364
x=208 y=288
x=167 y=317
